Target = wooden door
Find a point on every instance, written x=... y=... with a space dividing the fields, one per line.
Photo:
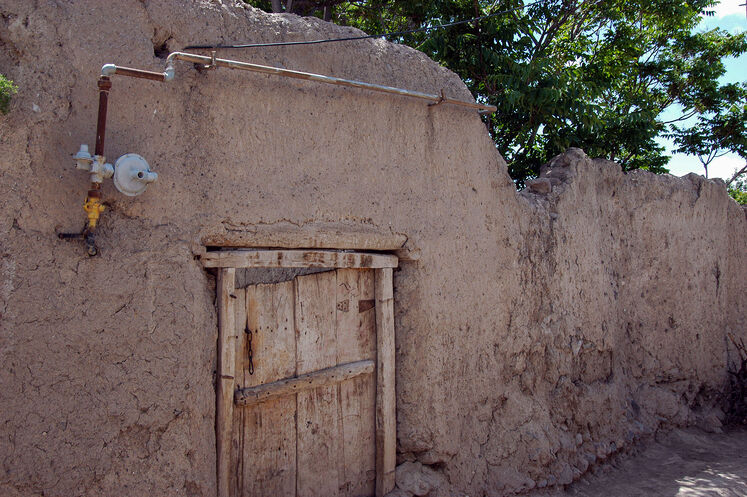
x=310 y=378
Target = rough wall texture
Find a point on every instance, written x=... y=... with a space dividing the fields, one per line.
x=536 y=333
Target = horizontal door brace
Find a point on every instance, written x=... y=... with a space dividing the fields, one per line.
x=322 y=378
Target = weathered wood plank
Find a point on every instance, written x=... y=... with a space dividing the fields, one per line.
x=311 y=235
x=269 y=450
x=316 y=310
x=358 y=400
x=297 y=258
x=225 y=288
x=386 y=422
x=356 y=339
x=271 y=322
x=322 y=378
x=239 y=325
x=356 y=318
x=237 y=430
x=319 y=443
x=318 y=425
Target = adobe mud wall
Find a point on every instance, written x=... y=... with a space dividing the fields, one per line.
x=536 y=333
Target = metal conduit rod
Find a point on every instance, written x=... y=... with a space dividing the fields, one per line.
x=246 y=66
x=212 y=62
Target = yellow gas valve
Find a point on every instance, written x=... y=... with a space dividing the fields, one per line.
x=93 y=208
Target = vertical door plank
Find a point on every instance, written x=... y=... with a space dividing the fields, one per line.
x=271 y=320
x=356 y=318
x=357 y=399
x=237 y=437
x=269 y=444
x=315 y=322
x=320 y=450
x=225 y=288
x=270 y=448
x=240 y=326
x=356 y=340
x=386 y=423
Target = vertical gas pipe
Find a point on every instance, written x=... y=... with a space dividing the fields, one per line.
x=93 y=205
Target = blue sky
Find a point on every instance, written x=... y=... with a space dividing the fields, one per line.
x=731 y=17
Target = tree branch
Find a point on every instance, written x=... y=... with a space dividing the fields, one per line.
x=681 y=118
x=736 y=175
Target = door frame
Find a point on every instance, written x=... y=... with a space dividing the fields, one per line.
x=226 y=262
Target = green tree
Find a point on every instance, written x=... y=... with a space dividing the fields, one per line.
x=716 y=132
x=583 y=73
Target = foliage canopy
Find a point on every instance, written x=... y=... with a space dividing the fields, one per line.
x=582 y=73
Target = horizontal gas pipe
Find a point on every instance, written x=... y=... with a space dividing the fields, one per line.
x=168 y=75
x=110 y=69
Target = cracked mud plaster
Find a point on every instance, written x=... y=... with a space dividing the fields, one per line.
x=536 y=334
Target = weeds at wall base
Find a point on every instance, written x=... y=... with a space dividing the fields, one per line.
x=7 y=90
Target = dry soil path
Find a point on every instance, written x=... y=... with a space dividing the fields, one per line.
x=683 y=463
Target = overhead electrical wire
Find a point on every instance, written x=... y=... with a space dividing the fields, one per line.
x=367 y=37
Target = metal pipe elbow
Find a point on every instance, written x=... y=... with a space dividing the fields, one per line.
x=169 y=73
x=171 y=58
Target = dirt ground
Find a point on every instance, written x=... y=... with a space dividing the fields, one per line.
x=683 y=463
